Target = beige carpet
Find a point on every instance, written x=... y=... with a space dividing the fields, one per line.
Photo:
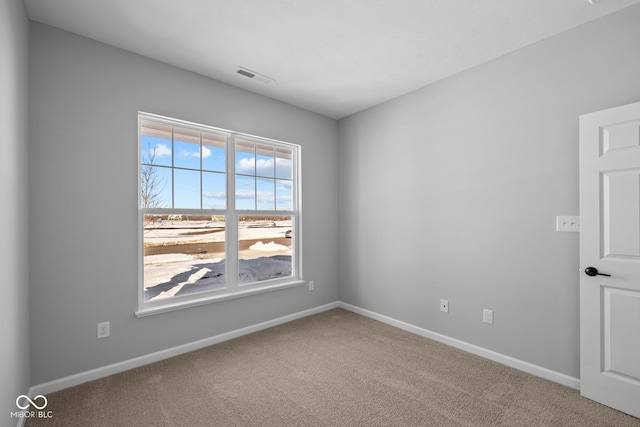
x=331 y=369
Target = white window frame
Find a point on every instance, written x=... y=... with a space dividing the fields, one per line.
x=233 y=288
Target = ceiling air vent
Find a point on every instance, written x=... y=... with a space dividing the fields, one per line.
x=253 y=75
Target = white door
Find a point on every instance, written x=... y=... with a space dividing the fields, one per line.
x=610 y=244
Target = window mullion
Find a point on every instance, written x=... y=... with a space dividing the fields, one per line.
x=255 y=176
x=173 y=170
x=231 y=219
x=296 y=206
x=275 y=188
x=201 y=180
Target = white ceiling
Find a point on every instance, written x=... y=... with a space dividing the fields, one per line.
x=335 y=57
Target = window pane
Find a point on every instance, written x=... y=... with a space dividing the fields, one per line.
x=186 y=148
x=284 y=163
x=245 y=158
x=214 y=191
x=264 y=245
x=245 y=192
x=284 y=198
x=155 y=187
x=186 y=191
x=266 y=194
x=183 y=255
x=265 y=161
x=155 y=143
x=214 y=156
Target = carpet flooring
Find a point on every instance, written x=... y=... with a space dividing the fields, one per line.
x=335 y=368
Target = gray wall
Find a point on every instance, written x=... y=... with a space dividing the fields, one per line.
x=83 y=101
x=448 y=192
x=452 y=191
x=14 y=286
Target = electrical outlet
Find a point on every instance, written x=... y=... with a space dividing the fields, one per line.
x=568 y=223
x=487 y=316
x=444 y=305
x=312 y=285
x=103 y=330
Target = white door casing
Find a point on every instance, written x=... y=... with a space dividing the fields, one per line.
x=610 y=243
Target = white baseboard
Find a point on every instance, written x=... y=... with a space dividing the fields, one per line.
x=536 y=370
x=115 y=368
x=21 y=422
x=94 y=374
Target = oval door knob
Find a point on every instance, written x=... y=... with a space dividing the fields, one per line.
x=592 y=271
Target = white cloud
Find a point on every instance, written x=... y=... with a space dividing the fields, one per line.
x=214 y=195
x=186 y=153
x=160 y=150
x=265 y=164
x=284 y=199
x=249 y=165
x=245 y=194
x=246 y=165
x=265 y=196
x=283 y=163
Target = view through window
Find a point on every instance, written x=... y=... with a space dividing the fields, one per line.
x=218 y=211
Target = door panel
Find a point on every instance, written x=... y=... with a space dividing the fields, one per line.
x=621 y=214
x=620 y=135
x=610 y=242
x=622 y=333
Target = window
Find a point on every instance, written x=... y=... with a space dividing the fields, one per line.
x=218 y=212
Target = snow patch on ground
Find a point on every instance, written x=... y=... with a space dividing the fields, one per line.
x=264 y=268
x=187 y=277
x=165 y=258
x=269 y=247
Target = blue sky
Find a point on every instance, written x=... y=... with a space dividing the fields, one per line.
x=262 y=181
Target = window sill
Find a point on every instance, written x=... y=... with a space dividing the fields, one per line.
x=172 y=306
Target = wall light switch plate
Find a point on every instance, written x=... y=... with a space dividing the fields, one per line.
x=568 y=223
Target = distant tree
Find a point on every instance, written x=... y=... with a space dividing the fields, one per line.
x=151 y=184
